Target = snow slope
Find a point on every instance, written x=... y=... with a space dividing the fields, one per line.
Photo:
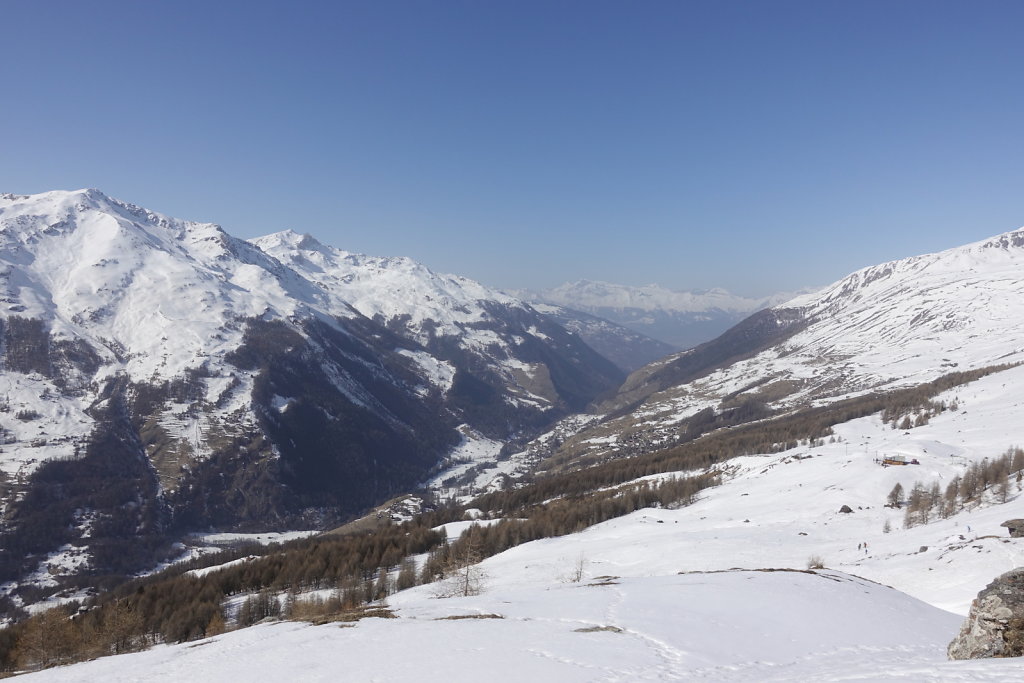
x=150 y=296
x=159 y=288
x=731 y=626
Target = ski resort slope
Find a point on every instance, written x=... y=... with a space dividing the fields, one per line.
x=659 y=599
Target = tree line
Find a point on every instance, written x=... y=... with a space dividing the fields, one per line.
x=927 y=502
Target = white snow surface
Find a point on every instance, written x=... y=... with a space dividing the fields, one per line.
x=920 y=316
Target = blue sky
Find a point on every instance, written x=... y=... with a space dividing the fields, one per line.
x=757 y=146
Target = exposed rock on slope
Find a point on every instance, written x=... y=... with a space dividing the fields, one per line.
x=995 y=625
x=629 y=350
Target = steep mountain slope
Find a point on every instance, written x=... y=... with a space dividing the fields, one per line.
x=681 y=319
x=160 y=375
x=492 y=337
x=896 y=324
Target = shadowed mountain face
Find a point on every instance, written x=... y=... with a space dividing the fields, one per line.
x=629 y=350
x=160 y=375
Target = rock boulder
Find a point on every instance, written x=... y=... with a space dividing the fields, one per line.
x=995 y=625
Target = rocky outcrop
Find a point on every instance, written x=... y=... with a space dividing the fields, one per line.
x=1016 y=527
x=995 y=625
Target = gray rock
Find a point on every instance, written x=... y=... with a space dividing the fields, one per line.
x=1016 y=527
x=846 y=509
x=995 y=625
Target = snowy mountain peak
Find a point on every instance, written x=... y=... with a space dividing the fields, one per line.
x=103 y=269
x=291 y=240
x=388 y=287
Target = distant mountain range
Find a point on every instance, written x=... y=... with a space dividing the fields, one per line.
x=680 y=319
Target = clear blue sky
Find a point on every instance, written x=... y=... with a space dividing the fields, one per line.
x=757 y=146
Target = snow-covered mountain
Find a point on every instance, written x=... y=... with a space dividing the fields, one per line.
x=897 y=324
x=455 y=319
x=679 y=318
x=160 y=375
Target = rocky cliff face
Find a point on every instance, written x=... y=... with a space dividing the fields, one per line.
x=995 y=625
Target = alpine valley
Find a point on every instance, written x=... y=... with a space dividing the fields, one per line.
x=161 y=377
x=815 y=494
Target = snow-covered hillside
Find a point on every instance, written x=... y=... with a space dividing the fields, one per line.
x=916 y=317
x=737 y=626
x=158 y=291
x=391 y=288
x=898 y=324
